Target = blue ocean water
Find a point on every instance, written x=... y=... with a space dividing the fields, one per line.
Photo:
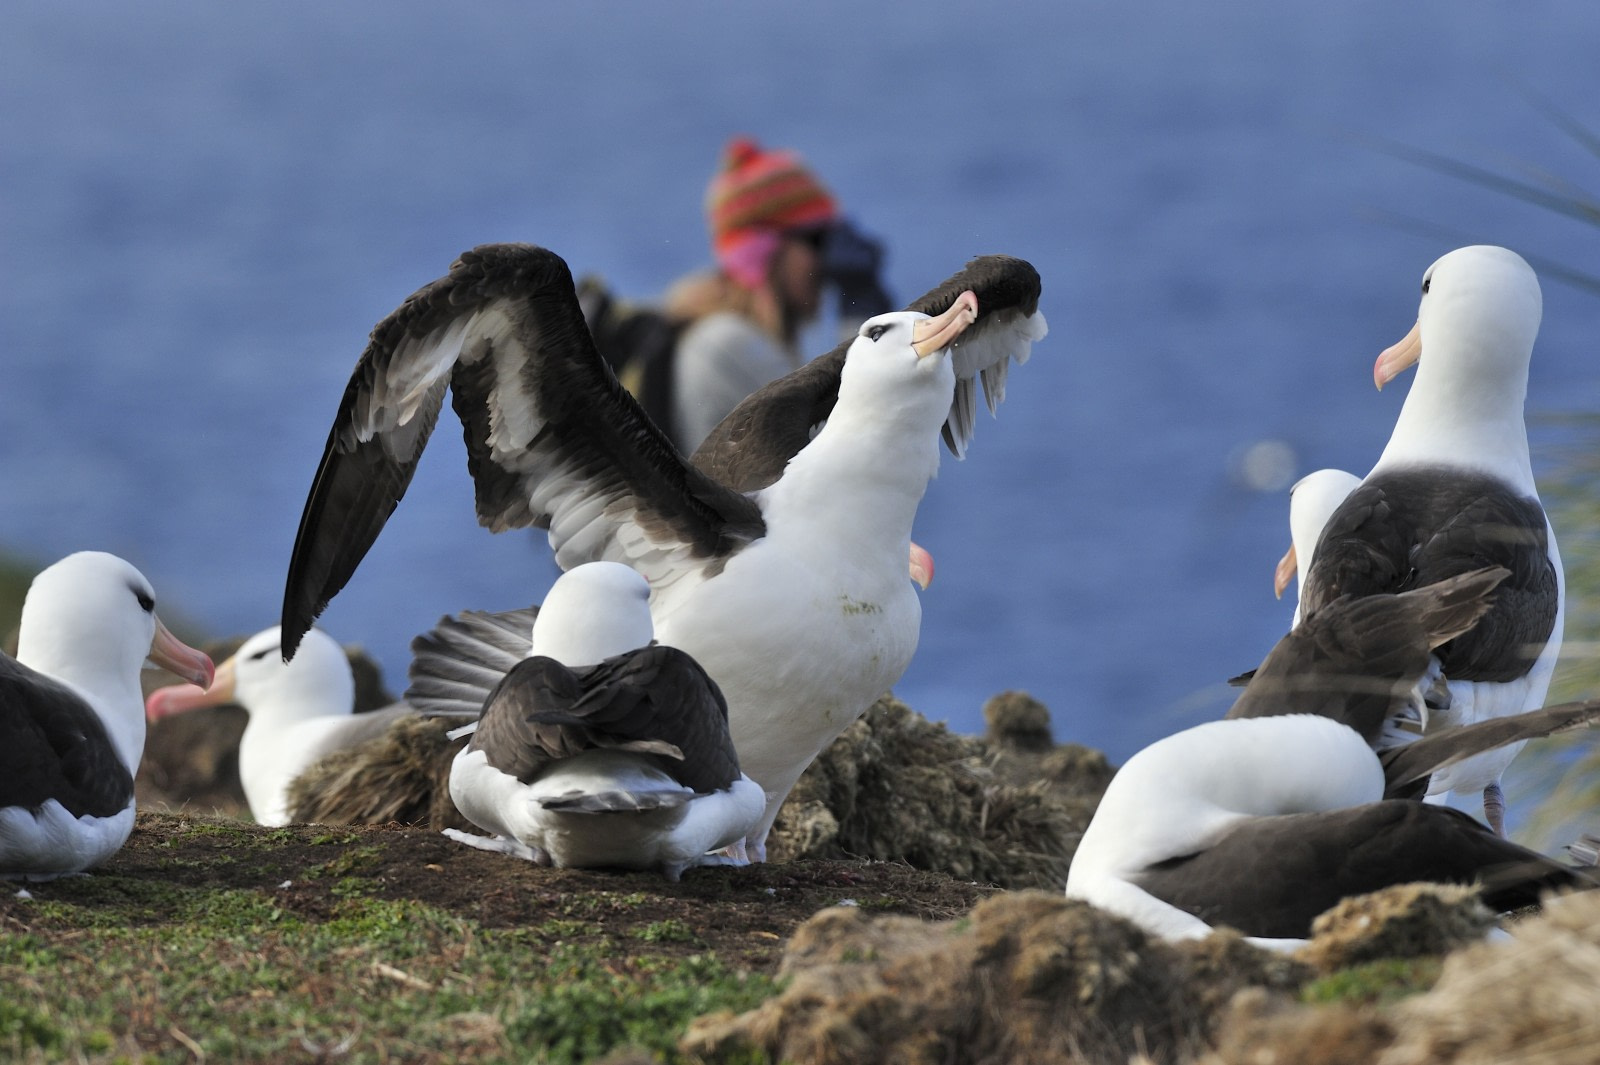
x=206 y=207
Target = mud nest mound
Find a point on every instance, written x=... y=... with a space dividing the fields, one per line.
x=897 y=787
x=1026 y=977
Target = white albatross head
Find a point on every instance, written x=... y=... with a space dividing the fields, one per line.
x=592 y=612
x=1480 y=313
x=317 y=683
x=1312 y=501
x=90 y=620
x=891 y=348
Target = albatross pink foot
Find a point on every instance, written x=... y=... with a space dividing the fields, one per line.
x=1494 y=808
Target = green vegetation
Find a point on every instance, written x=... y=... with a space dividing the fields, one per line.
x=1374 y=983
x=119 y=967
x=1564 y=771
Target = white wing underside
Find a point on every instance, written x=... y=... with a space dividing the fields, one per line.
x=587 y=521
x=1005 y=337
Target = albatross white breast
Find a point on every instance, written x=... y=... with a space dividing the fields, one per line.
x=72 y=714
x=603 y=748
x=1454 y=491
x=777 y=559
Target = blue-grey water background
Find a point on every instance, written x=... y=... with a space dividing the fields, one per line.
x=204 y=209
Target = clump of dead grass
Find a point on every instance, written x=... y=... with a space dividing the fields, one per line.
x=897 y=787
x=1026 y=977
x=1404 y=921
x=400 y=777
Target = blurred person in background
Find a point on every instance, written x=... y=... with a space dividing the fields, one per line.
x=777 y=238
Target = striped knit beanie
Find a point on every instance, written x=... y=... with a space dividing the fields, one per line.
x=755 y=196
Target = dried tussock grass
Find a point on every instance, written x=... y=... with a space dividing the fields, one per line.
x=1026 y=977
x=897 y=787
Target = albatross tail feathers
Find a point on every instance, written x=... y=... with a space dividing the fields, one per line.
x=632 y=800
x=457 y=663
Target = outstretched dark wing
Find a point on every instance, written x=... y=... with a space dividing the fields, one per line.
x=654 y=700
x=1411 y=528
x=749 y=448
x=553 y=440
x=1356 y=659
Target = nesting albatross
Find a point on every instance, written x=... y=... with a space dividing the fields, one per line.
x=1453 y=491
x=782 y=572
x=1266 y=820
x=72 y=714
x=300 y=712
x=604 y=748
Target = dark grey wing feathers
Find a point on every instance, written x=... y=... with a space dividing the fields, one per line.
x=1410 y=528
x=552 y=439
x=1272 y=876
x=457 y=663
x=655 y=699
x=1415 y=761
x=1357 y=658
x=54 y=746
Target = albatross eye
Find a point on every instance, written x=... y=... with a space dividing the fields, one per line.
x=147 y=604
x=875 y=332
x=1427 y=282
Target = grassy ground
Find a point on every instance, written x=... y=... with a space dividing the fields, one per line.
x=214 y=940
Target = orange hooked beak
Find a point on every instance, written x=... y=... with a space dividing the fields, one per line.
x=921 y=566
x=936 y=334
x=1399 y=357
x=214 y=688
x=1287 y=565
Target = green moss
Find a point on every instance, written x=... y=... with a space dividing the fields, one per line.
x=357 y=860
x=595 y=1008
x=22 y=1030
x=671 y=930
x=1374 y=983
x=239 y=975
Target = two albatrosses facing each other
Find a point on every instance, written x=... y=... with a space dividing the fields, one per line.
x=1264 y=821
x=777 y=558
x=1453 y=491
x=72 y=714
x=604 y=748
x=300 y=712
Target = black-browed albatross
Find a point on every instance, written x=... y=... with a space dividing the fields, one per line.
x=1453 y=491
x=604 y=748
x=72 y=714
x=300 y=712
x=1263 y=821
x=1312 y=501
x=782 y=571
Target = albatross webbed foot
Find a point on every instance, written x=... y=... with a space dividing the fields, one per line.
x=1494 y=808
x=501 y=845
